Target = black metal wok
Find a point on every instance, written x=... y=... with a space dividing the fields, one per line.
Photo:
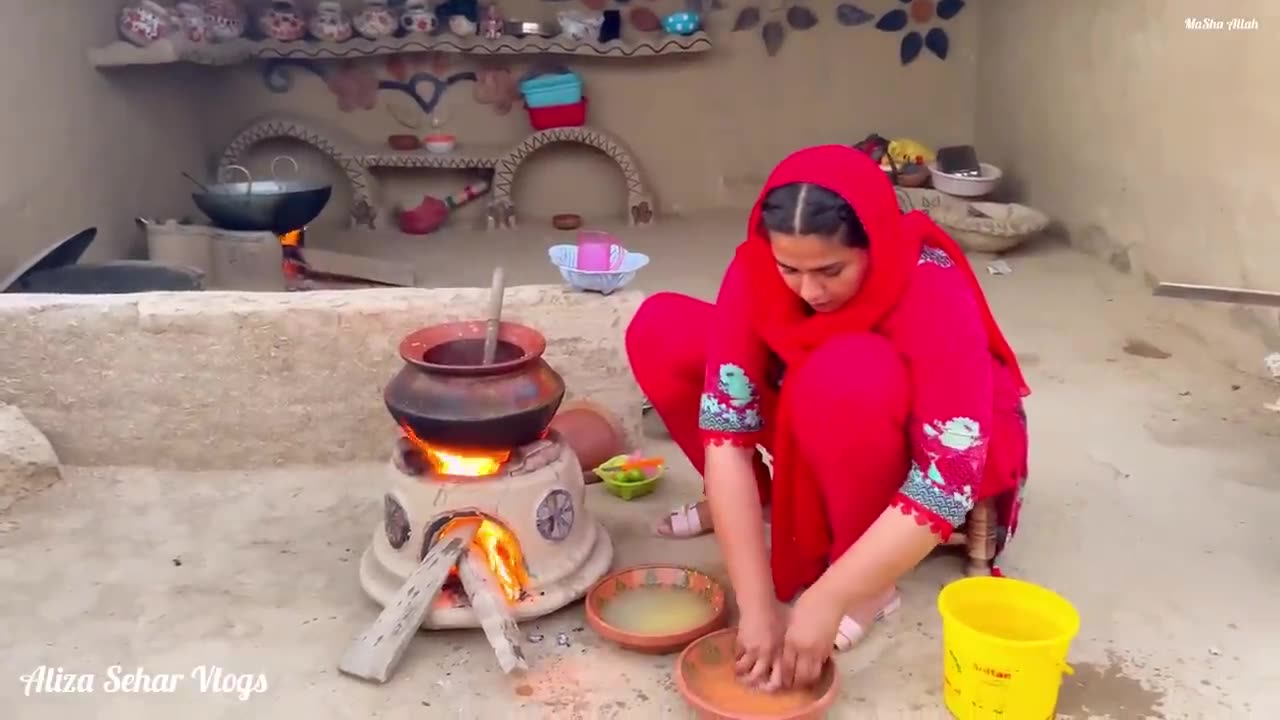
x=263 y=205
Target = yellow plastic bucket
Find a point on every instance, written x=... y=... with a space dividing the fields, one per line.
x=1005 y=645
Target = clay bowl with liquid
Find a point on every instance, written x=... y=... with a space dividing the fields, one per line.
x=656 y=609
x=706 y=679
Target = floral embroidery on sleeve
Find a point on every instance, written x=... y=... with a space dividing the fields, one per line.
x=956 y=453
x=935 y=256
x=734 y=406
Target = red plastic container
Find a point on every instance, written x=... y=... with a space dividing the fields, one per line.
x=545 y=118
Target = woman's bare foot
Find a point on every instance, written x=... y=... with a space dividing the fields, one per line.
x=686 y=521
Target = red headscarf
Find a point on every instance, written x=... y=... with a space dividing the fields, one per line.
x=801 y=536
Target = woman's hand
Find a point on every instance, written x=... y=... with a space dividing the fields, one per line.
x=809 y=639
x=759 y=646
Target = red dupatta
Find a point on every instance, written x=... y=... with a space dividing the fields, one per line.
x=801 y=536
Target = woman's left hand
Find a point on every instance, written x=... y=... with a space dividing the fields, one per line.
x=810 y=638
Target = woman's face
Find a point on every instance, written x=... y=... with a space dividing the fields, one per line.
x=822 y=271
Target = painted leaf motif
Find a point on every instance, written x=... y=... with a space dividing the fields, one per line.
x=801 y=17
x=852 y=15
x=748 y=17
x=773 y=34
x=911 y=46
x=948 y=9
x=938 y=42
x=892 y=21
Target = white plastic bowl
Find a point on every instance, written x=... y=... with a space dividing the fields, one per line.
x=565 y=258
x=962 y=186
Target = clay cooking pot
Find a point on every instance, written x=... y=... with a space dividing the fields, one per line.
x=446 y=396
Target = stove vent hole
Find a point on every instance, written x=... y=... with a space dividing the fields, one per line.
x=396 y=522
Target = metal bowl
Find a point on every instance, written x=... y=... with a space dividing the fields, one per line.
x=534 y=28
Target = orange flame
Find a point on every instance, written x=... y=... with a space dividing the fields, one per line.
x=501 y=551
x=291 y=238
x=460 y=462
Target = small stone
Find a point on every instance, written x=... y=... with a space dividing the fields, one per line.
x=177 y=562
x=562 y=640
x=535 y=638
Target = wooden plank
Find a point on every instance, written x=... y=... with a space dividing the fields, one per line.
x=490 y=606
x=374 y=653
x=1211 y=293
x=343 y=265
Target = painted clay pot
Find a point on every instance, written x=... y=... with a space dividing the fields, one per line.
x=376 y=20
x=226 y=20
x=417 y=17
x=330 y=23
x=282 y=20
x=145 y=22
x=446 y=396
x=592 y=432
x=195 y=22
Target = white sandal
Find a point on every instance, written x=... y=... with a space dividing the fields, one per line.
x=683 y=523
x=851 y=632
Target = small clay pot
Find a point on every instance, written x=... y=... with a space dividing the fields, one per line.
x=592 y=432
x=404 y=142
x=566 y=221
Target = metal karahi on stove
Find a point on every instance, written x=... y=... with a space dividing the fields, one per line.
x=475 y=449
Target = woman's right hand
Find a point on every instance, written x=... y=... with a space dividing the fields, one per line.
x=759 y=645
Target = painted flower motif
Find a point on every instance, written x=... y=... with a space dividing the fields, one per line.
x=921 y=12
x=355 y=85
x=497 y=87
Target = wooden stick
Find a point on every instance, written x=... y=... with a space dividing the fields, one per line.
x=495 y=316
x=490 y=606
x=374 y=654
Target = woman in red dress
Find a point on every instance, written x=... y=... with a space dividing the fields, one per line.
x=853 y=345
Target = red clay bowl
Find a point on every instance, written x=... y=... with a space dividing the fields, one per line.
x=672 y=576
x=705 y=676
x=404 y=142
x=566 y=221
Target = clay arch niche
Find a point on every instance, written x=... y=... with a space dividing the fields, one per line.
x=362 y=210
x=502 y=213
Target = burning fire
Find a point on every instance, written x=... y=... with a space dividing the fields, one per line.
x=501 y=551
x=455 y=461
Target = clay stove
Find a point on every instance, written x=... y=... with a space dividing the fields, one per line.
x=475 y=448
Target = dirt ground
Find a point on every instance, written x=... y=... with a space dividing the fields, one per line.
x=1150 y=506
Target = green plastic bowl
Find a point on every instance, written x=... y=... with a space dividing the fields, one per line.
x=615 y=485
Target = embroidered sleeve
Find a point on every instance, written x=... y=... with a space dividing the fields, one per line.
x=938 y=326
x=731 y=407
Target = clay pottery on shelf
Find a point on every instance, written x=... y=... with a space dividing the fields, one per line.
x=404 y=142
x=330 y=22
x=707 y=680
x=376 y=20
x=592 y=432
x=283 y=21
x=566 y=221
x=462 y=26
x=676 y=578
x=225 y=19
x=644 y=19
x=446 y=395
x=145 y=22
x=440 y=143
x=195 y=22
x=417 y=17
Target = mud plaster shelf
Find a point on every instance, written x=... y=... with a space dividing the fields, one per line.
x=357 y=159
x=120 y=54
